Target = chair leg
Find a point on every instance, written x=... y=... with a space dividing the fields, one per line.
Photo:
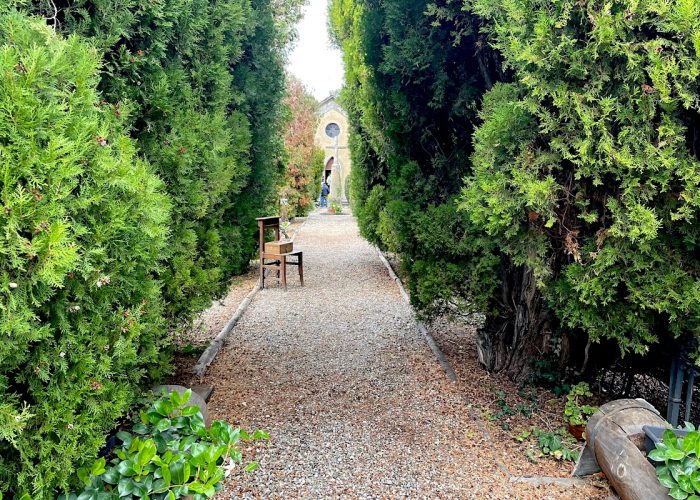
x=262 y=273
x=284 y=272
x=301 y=269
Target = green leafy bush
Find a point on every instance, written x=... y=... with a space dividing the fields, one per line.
x=169 y=454
x=505 y=410
x=83 y=223
x=558 y=444
x=680 y=467
x=175 y=65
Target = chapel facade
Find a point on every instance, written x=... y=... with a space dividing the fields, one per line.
x=332 y=136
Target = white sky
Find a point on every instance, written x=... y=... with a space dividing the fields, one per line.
x=318 y=65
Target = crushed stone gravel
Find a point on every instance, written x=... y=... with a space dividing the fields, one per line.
x=355 y=402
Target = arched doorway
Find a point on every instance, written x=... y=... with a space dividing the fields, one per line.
x=328 y=169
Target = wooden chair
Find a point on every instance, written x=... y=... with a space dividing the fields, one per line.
x=277 y=261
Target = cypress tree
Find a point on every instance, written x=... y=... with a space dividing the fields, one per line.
x=412 y=91
x=205 y=80
x=587 y=171
x=83 y=223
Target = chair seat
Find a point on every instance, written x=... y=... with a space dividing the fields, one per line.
x=279 y=263
x=268 y=255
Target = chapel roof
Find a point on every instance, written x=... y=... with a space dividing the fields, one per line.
x=330 y=103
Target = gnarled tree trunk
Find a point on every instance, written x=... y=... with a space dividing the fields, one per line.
x=521 y=331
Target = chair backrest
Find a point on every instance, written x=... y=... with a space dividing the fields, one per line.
x=265 y=223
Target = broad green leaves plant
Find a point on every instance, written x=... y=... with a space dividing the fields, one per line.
x=679 y=470
x=558 y=444
x=575 y=412
x=168 y=454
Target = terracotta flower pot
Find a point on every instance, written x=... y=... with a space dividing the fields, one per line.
x=577 y=431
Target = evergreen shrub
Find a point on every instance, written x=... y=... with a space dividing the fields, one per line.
x=83 y=226
x=204 y=80
x=587 y=165
x=174 y=67
x=573 y=128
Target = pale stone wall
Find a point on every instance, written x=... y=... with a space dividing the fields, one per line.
x=336 y=148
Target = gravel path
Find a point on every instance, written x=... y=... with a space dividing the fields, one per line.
x=353 y=399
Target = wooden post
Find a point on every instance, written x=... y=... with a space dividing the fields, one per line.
x=675 y=389
x=283 y=265
x=261 y=247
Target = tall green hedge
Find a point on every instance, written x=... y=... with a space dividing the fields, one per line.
x=412 y=94
x=260 y=76
x=205 y=79
x=536 y=160
x=83 y=227
x=587 y=165
x=191 y=88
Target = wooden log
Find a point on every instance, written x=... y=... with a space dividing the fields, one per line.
x=625 y=466
x=616 y=440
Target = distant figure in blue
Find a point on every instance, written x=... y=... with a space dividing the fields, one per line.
x=325 y=191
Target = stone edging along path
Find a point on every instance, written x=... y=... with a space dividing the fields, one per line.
x=419 y=324
x=213 y=349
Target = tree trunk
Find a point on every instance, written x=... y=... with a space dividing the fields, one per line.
x=521 y=331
